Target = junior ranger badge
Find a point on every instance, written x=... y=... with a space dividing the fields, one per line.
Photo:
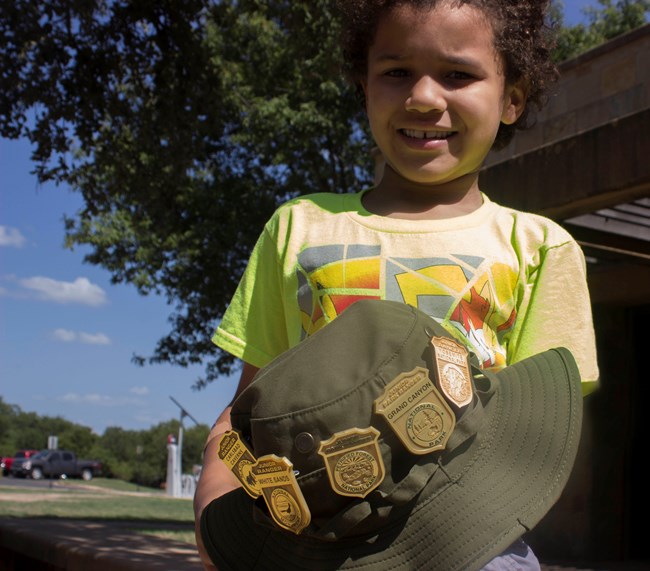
x=353 y=461
x=281 y=492
x=452 y=370
x=238 y=457
x=417 y=412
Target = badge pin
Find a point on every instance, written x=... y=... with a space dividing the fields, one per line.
x=452 y=370
x=234 y=452
x=281 y=492
x=353 y=461
x=417 y=412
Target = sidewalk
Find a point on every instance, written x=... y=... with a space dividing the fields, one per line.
x=77 y=545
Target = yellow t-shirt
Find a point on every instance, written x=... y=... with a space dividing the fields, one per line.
x=507 y=284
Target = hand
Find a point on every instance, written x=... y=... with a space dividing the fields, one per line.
x=216 y=478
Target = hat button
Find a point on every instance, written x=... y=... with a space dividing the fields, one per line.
x=304 y=442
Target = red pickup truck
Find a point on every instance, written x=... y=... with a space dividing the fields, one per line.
x=7 y=461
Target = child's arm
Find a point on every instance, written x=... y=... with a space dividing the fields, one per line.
x=216 y=478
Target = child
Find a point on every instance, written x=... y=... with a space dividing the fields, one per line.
x=443 y=82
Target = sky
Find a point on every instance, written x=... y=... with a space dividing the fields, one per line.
x=573 y=10
x=67 y=334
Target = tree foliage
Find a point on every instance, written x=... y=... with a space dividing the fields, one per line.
x=27 y=430
x=184 y=124
x=138 y=456
x=604 y=23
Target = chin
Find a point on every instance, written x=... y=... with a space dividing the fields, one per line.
x=424 y=177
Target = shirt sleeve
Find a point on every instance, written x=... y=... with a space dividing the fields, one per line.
x=558 y=311
x=253 y=327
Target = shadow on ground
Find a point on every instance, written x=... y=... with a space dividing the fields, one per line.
x=62 y=543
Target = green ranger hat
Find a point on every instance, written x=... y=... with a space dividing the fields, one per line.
x=377 y=443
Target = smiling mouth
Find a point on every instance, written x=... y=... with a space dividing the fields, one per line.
x=431 y=135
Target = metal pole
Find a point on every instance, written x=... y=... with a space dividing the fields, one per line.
x=179 y=464
x=179 y=450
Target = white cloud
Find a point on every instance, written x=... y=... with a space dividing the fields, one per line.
x=64 y=335
x=92 y=398
x=140 y=391
x=11 y=237
x=10 y=291
x=94 y=339
x=99 y=400
x=67 y=336
x=147 y=419
x=79 y=291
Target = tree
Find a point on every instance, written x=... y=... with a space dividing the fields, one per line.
x=117 y=449
x=604 y=23
x=8 y=414
x=138 y=456
x=183 y=125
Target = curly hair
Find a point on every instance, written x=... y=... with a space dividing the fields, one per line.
x=522 y=37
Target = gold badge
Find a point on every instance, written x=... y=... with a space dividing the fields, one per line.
x=238 y=457
x=417 y=412
x=281 y=492
x=452 y=370
x=353 y=460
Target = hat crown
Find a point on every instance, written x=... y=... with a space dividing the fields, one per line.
x=328 y=384
x=505 y=464
x=333 y=361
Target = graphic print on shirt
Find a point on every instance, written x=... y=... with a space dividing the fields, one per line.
x=472 y=298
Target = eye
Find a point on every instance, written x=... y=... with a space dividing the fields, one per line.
x=460 y=75
x=396 y=73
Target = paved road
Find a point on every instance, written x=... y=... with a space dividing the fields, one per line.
x=28 y=482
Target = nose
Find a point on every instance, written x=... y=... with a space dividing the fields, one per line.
x=426 y=95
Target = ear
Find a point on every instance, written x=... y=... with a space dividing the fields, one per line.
x=514 y=102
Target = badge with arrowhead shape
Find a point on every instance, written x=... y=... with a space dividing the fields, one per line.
x=281 y=492
x=234 y=452
x=353 y=461
x=417 y=412
x=452 y=370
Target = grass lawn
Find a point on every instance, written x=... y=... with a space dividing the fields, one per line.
x=102 y=498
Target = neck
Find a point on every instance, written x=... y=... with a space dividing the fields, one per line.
x=397 y=197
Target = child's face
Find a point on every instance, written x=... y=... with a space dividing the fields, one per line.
x=435 y=92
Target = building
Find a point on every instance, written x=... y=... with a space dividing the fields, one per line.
x=586 y=164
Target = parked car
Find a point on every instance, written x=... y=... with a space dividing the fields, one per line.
x=56 y=464
x=7 y=461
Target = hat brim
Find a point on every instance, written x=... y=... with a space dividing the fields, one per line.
x=471 y=510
